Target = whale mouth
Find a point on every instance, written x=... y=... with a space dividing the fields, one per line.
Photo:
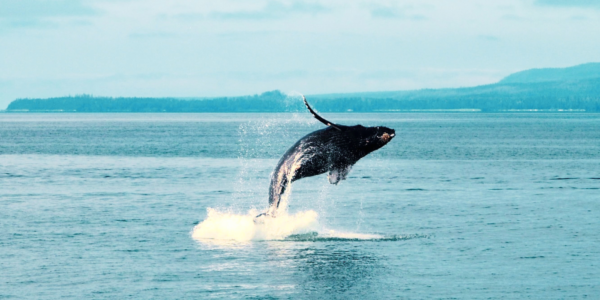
x=386 y=137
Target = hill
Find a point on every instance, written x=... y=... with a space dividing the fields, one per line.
x=575 y=88
x=265 y=102
x=580 y=72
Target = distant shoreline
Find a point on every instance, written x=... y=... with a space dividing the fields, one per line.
x=573 y=89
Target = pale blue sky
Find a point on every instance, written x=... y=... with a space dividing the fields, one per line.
x=186 y=48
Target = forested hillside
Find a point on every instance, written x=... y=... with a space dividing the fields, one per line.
x=575 y=88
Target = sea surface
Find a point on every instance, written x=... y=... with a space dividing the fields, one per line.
x=160 y=206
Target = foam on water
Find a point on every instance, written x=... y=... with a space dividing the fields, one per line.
x=242 y=228
x=225 y=227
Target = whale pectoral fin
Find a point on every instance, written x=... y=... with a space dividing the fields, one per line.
x=335 y=175
x=337 y=127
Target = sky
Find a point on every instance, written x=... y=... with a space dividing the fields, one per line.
x=185 y=48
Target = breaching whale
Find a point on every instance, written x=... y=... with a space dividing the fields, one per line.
x=334 y=149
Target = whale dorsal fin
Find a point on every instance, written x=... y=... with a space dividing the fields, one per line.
x=319 y=117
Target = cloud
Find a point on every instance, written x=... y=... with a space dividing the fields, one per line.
x=392 y=12
x=152 y=35
x=25 y=23
x=386 y=74
x=265 y=76
x=41 y=13
x=490 y=38
x=22 y=9
x=569 y=3
x=272 y=10
x=512 y=17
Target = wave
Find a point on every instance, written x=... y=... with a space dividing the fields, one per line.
x=350 y=237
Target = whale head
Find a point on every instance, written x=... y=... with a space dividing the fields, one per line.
x=373 y=138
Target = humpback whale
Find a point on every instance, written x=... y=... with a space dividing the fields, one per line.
x=334 y=149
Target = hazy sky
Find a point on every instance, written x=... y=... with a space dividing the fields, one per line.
x=190 y=48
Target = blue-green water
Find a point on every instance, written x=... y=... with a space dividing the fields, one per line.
x=457 y=206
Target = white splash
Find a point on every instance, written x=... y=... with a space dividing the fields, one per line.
x=225 y=226
x=351 y=235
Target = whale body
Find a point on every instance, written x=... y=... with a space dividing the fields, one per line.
x=333 y=149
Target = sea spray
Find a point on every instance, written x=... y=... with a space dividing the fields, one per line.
x=261 y=139
x=227 y=226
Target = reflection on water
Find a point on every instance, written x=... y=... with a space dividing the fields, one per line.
x=324 y=270
x=332 y=270
x=337 y=272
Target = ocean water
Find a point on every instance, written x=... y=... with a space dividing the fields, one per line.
x=160 y=206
